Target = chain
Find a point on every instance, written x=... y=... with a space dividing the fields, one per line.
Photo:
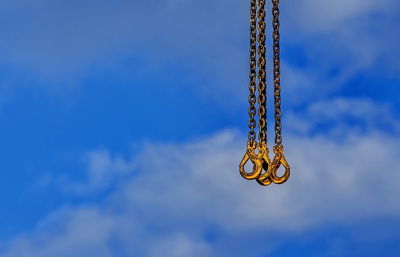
x=253 y=72
x=260 y=158
x=279 y=159
x=277 y=72
x=262 y=88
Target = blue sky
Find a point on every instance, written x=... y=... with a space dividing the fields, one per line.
x=122 y=124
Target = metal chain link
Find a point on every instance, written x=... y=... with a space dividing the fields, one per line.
x=260 y=159
x=262 y=87
x=277 y=73
x=253 y=72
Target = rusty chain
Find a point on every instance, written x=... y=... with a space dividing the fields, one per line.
x=260 y=159
x=262 y=87
x=253 y=72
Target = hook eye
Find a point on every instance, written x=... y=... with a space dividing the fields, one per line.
x=276 y=163
x=265 y=178
x=257 y=165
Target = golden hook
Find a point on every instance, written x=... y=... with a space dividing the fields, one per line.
x=255 y=159
x=265 y=178
x=276 y=163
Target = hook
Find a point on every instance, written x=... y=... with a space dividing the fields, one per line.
x=276 y=163
x=255 y=159
x=265 y=178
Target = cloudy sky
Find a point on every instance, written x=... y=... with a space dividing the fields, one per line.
x=122 y=124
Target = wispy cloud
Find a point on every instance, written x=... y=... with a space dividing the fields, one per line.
x=102 y=171
x=67 y=40
x=181 y=192
x=357 y=114
x=188 y=199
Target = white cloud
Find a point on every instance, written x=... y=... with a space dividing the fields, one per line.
x=356 y=114
x=338 y=37
x=69 y=232
x=180 y=192
x=323 y=16
x=348 y=36
x=102 y=171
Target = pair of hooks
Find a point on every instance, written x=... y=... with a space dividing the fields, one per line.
x=264 y=170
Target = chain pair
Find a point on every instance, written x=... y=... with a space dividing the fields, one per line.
x=264 y=170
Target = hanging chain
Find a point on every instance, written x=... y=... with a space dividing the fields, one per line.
x=260 y=159
x=252 y=145
x=262 y=87
x=277 y=72
x=253 y=72
x=264 y=177
x=279 y=158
